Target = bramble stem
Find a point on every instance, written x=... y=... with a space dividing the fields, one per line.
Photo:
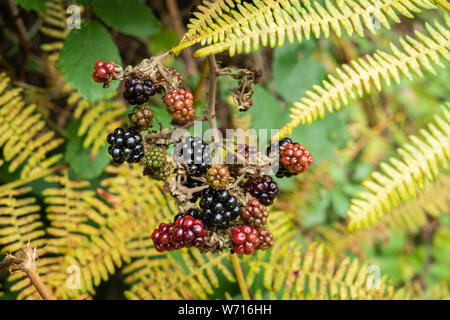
x=212 y=83
x=240 y=276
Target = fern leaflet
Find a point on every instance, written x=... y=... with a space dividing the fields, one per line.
x=400 y=179
x=364 y=72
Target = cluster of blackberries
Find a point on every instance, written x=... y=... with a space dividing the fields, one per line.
x=125 y=145
x=194 y=153
x=138 y=91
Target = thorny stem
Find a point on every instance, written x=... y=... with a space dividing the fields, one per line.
x=25 y=260
x=212 y=83
x=240 y=277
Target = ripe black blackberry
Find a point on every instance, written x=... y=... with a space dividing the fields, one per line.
x=195 y=154
x=219 y=208
x=192 y=183
x=125 y=145
x=193 y=212
x=155 y=157
x=138 y=91
x=264 y=189
x=141 y=118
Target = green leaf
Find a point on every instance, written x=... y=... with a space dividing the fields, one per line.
x=127 y=16
x=295 y=70
x=80 y=159
x=81 y=49
x=37 y=5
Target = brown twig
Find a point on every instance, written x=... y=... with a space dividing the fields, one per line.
x=25 y=260
x=212 y=83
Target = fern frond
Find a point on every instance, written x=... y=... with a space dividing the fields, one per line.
x=289 y=274
x=22 y=137
x=19 y=221
x=401 y=178
x=272 y=21
x=100 y=120
x=361 y=74
x=54 y=26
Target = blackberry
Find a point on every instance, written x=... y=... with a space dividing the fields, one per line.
x=264 y=189
x=162 y=237
x=138 y=91
x=255 y=214
x=296 y=158
x=195 y=154
x=141 y=118
x=175 y=74
x=266 y=238
x=125 y=145
x=155 y=157
x=218 y=176
x=282 y=171
x=219 y=208
x=245 y=239
x=161 y=173
x=180 y=104
x=188 y=232
x=192 y=183
x=193 y=212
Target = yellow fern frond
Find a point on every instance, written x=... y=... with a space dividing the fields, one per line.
x=22 y=135
x=98 y=121
x=362 y=73
x=54 y=26
x=289 y=274
x=420 y=161
x=19 y=221
x=236 y=27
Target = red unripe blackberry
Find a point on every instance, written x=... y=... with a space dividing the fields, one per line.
x=217 y=176
x=162 y=237
x=109 y=67
x=245 y=239
x=193 y=212
x=96 y=78
x=296 y=158
x=180 y=104
x=98 y=64
x=266 y=238
x=141 y=118
x=254 y=213
x=264 y=189
x=101 y=72
x=189 y=232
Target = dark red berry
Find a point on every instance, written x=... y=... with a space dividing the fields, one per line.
x=189 y=232
x=266 y=238
x=162 y=237
x=245 y=239
x=264 y=189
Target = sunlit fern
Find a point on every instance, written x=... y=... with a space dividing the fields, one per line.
x=289 y=274
x=236 y=26
x=409 y=218
x=23 y=136
x=20 y=221
x=403 y=178
x=361 y=74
